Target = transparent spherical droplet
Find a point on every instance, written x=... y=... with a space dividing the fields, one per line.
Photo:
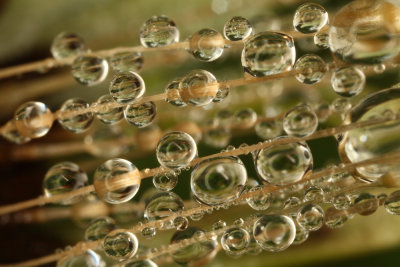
x=162 y=205
x=198 y=88
x=99 y=228
x=120 y=244
x=140 y=115
x=218 y=180
x=341 y=105
x=222 y=94
x=238 y=222
x=75 y=116
x=62 y=178
x=33 y=119
x=106 y=112
x=392 y=203
x=193 y=254
x=89 y=70
x=237 y=28
x=126 y=87
x=165 y=182
x=126 y=61
x=335 y=218
x=218 y=225
x=366 y=204
x=375 y=140
x=12 y=134
x=314 y=193
x=110 y=171
x=284 y=164
x=217 y=137
x=88 y=258
x=139 y=263
x=245 y=118
x=323 y=111
x=300 y=121
x=321 y=40
x=235 y=240
x=108 y=142
x=274 y=232
x=260 y=200
x=173 y=95
x=291 y=202
x=67 y=45
x=176 y=150
x=379 y=68
x=268 y=129
x=310 y=69
x=311 y=217
x=268 y=53
x=301 y=236
x=341 y=201
x=348 y=81
x=148 y=232
x=181 y=223
x=310 y=18
x=158 y=31
x=206 y=45
x=253 y=248
x=365 y=32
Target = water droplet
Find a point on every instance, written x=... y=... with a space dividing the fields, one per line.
x=173 y=95
x=176 y=150
x=107 y=113
x=194 y=254
x=127 y=87
x=392 y=203
x=181 y=223
x=218 y=225
x=314 y=193
x=120 y=244
x=364 y=32
x=218 y=180
x=310 y=18
x=310 y=69
x=33 y=119
x=268 y=53
x=99 y=228
x=274 y=232
x=162 y=205
x=158 y=31
x=222 y=93
x=198 y=87
x=126 y=61
x=348 y=81
x=141 y=115
x=335 y=218
x=237 y=28
x=217 y=137
x=284 y=164
x=372 y=141
x=206 y=45
x=11 y=133
x=87 y=258
x=148 y=232
x=166 y=181
x=139 y=263
x=311 y=217
x=67 y=45
x=260 y=201
x=268 y=129
x=109 y=172
x=235 y=240
x=62 y=178
x=341 y=201
x=75 y=123
x=366 y=204
x=300 y=121
x=245 y=118
x=301 y=236
x=89 y=70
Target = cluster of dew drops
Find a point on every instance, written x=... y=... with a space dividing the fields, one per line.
x=216 y=181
